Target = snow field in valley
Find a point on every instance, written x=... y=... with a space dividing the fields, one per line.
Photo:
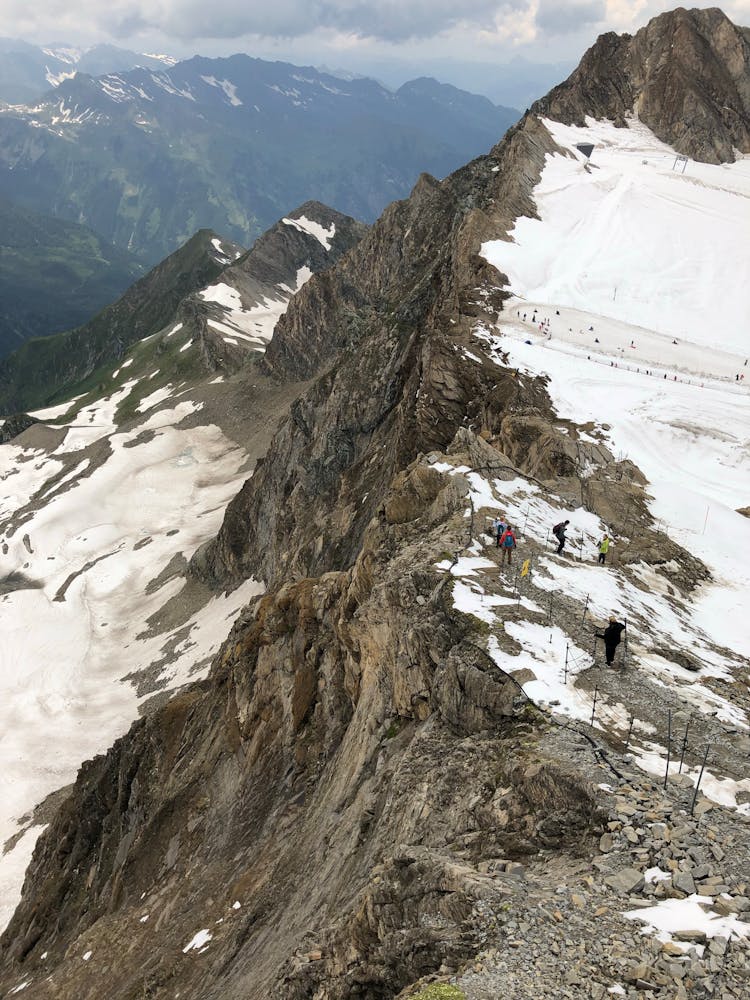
x=79 y=625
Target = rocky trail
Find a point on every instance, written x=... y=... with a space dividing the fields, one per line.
x=661 y=908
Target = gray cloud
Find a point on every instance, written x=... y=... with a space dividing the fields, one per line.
x=555 y=18
x=383 y=20
x=387 y=20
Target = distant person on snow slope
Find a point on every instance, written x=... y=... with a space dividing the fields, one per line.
x=507 y=543
x=603 y=549
x=611 y=635
x=559 y=532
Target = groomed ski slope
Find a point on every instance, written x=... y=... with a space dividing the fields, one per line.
x=676 y=247
x=630 y=238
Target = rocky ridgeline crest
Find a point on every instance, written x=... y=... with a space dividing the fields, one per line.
x=354 y=799
x=686 y=75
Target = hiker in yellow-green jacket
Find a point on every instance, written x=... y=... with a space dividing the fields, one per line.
x=603 y=549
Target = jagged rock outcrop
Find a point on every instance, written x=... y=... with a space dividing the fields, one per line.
x=351 y=730
x=14 y=425
x=355 y=754
x=261 y=282
x=686 y=74
x=391 y=322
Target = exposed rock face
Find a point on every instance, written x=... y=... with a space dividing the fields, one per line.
x=353 y=731
x=391 y=321
x=310 y=239
x=686 y=75
x=15 y=425
x=355 y=757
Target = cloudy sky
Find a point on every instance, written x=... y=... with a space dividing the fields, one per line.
x=386 y=36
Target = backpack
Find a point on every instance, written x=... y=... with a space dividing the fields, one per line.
x=508 y=540
x=557 y=529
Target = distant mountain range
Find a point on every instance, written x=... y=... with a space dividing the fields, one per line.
x=147 y=156
x=28 y=71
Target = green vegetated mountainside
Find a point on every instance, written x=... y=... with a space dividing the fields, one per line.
x=147 y=157
x=54 y=275
x=40 y=370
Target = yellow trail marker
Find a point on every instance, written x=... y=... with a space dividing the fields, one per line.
x=525 y=567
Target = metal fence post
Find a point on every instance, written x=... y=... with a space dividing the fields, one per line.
x=593 y=707
x=684 y=746
x=698 y=782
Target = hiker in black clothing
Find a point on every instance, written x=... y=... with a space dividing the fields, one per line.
x=559 y=532
x=611 y=636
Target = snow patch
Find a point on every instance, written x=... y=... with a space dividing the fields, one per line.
x=198 y=941
x=312 y=228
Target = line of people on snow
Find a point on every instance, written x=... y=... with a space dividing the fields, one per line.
x=506 y=541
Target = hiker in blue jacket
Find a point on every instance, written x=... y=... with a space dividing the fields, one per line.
x=507 y=543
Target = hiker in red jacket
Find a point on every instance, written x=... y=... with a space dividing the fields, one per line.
x=507 y=543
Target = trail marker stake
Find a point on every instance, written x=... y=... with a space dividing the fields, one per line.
x=698 y=782
x=669 y=745
x=585 y=609
x=684 y=746
x=630 y=730
x=593 y=707
x=565 y=677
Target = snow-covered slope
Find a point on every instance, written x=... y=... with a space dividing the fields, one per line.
x=95 y=527
x=631 y=296
x=631 y=236
x=629 y=255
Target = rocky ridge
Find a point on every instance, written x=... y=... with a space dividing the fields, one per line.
x=235 y=318
x=47 y=368
x=350 y=802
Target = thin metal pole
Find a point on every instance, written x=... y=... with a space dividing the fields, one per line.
x=593 y=707
x=565 y=679
x=684 y=746
x=698 y=782
x=669 y=745
x=630 y=730
x=580 y=549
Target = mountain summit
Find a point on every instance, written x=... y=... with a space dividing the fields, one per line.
x=408 y=771
x=686 y=75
